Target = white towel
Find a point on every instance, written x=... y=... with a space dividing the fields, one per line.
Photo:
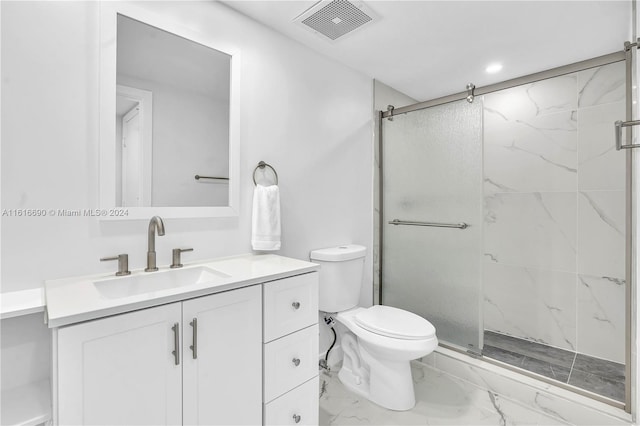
x=265 y=233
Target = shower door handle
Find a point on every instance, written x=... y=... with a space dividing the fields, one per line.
x=618 y=126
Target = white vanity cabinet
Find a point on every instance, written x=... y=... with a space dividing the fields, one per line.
x=291 y=351
x=153 y=366
x=243 y=355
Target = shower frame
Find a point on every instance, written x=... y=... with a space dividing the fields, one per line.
x=630 y=255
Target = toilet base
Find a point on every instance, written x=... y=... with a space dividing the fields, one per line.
x=353 y=382
x=384 y=382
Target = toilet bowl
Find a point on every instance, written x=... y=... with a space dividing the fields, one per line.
x=378 y=349
x=380 y=341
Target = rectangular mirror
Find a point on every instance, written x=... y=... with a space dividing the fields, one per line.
x=169 y=125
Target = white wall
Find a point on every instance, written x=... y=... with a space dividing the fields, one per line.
x=306 y=115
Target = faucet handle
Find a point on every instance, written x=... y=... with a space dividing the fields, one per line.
x=176 y=257
x=123 y=264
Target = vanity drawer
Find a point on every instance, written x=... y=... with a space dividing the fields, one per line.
x=297 y=407
x=289 y=305
x=290 y=361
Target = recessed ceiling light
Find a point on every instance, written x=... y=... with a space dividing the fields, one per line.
x=493 y=68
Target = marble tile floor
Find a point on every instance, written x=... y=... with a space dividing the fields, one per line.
x=593 y=374
x=441 y=400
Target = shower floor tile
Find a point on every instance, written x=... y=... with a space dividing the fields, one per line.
x=555 y=356
x=596 y=375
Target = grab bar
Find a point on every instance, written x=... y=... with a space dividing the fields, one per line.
x=460 y=225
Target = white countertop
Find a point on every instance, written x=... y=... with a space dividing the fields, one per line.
x=23 y=302
x=72 y=300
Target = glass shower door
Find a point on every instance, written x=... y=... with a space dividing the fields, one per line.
x=432 y=174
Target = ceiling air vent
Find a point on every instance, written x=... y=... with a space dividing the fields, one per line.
x=335 y=18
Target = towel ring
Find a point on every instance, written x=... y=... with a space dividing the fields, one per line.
x=262 y=165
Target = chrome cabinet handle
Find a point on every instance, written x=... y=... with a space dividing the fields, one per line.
x=296 y=305
x=296 y=418
x=194 y=347
x=176 y=343
x=296 y=361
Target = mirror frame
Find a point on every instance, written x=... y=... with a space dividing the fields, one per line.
x=107 y=112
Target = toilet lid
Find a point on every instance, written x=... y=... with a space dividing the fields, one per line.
x=394 y=322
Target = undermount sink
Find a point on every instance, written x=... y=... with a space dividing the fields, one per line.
x=132 y=285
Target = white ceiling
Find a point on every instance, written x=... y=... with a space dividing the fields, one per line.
x=427 y=49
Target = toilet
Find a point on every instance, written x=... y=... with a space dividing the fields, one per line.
x=381 y=340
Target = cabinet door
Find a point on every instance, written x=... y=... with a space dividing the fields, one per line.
x=222 y=371
x=120 y=370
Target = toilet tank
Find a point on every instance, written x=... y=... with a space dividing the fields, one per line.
x=340 y=276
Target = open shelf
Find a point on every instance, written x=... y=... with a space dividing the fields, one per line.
x=27 y=405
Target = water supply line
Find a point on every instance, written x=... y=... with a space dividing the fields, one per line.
x=330 y=322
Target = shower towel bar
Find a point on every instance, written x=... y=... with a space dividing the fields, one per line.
x=198 y=177
x=460 y=225
x=262 y=165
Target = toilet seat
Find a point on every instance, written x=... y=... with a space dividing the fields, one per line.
x=387 y=347
x=395 y=323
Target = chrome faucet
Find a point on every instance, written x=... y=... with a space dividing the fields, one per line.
x=155 y=223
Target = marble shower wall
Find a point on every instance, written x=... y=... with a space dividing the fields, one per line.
x=554 y=212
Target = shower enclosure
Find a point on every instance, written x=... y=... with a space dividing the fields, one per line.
x=503 y=223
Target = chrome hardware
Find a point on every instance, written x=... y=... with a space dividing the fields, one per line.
x=323 y=364
x=194 y=347
x=176 y=262
x=296 y=305
x=296 y=361
x=329 y=320
x=460 y=225
x=198 y=177
x=470 y=95
x=628 y=45
x=296 y=418
x=123 y=264
x=390 y=109
x=176 y=342
x=261 y=165
x=155 y=223
x=618 y=128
